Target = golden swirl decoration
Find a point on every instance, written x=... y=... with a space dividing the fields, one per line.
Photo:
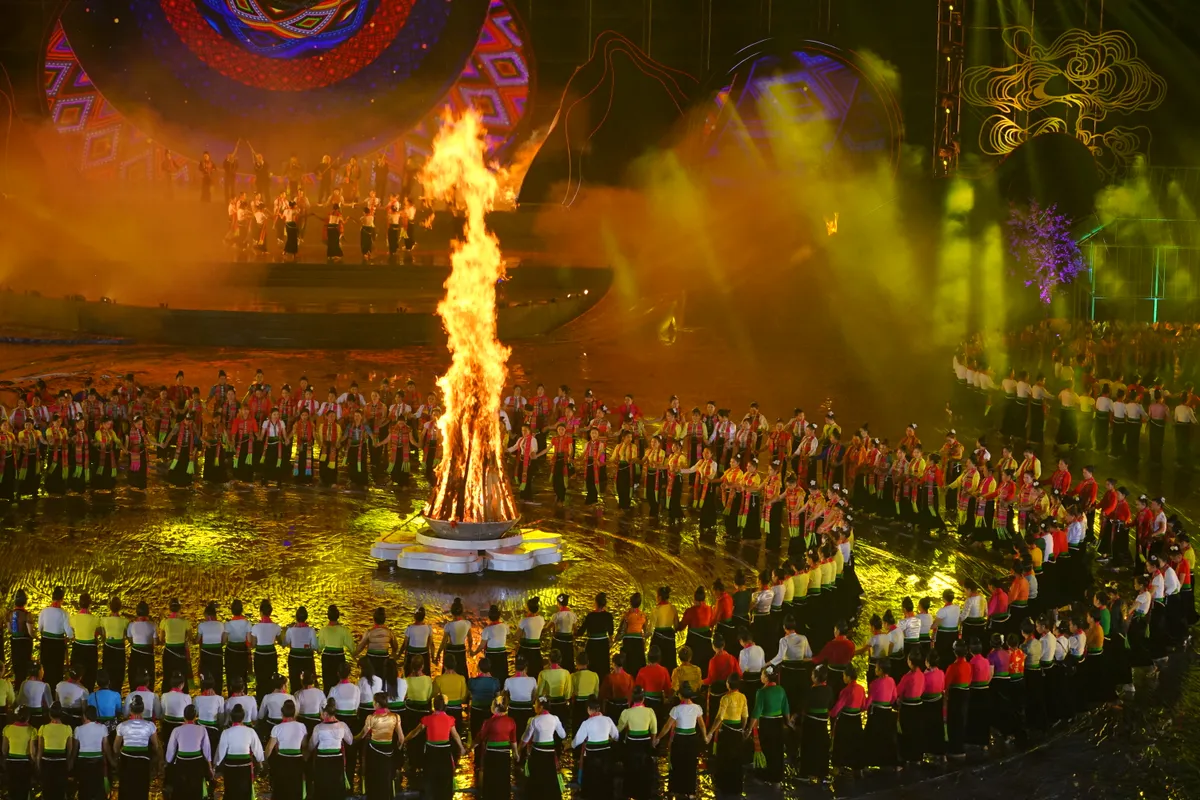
x=1072 y=87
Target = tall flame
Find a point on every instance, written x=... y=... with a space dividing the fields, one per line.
x=472 y=485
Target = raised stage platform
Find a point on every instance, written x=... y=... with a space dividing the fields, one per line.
x=371 y=306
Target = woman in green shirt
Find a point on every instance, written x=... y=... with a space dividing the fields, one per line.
x=334 y=641
x=176 y=633
x=771 y=713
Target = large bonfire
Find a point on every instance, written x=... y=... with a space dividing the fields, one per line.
x=471 y=484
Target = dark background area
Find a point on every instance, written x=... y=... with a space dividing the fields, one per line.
x=701 y=37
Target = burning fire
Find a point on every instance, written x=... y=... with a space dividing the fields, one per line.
x=472 y=485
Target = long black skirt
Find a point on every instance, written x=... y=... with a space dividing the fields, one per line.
x=641 y=773
x=141 y=665
x=633 y=647
x=496 y=783
x=596 y=778
x=685 y=757
x=89 y=778
x=134 y=782
x=912 y=730
x=814 y=747
x=881 y=750
x=958 y=701
x=727 y=760
x=380 y=771
x=329 y=776
x=188 y=776
x=933 y=726
x=979 y=717
x=771 y=740
x=542 y=778
x=847 y=741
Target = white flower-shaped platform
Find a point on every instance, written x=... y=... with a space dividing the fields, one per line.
x=424 y=552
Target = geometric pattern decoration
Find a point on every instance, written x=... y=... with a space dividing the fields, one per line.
x=1071 y=86
x=293 y=65
x=265 y=30
x=496 y=80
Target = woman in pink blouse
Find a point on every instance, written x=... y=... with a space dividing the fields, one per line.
x=911 y=692
x=881 y=720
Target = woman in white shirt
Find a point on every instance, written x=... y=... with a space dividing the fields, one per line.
x=328 y=742
x=531 y=627
x=309 y=702
x=210 y=633
x=493 y=643
x=92 y=740
x=456 y=639
x=143 y=635
x=137 y=747
x=416 y=638
x=686 y=720
x=285 y=752
x=1139 y=623
x=237 y=644
x=301 y=641
x=263 y=635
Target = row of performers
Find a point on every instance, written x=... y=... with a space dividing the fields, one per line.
x=69 y=459
x=252 y=223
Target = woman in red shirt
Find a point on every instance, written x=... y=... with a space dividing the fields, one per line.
x=699 y=621
x=497 y=742
x=441 y=737
x=847 y=721
x=957 y=700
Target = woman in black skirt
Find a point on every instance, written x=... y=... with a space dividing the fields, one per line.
x=728 y=731
x=979 y=714
x=846 y=715
x=136 y=744
x=770 y=720
x=333 y=234
x=880 y=733
x=329 y=741
x=933 y=707
x=910 y=694
x=242 y=433
x=686 y=727
x=957 y=700
x=381 y=733
x=441 y=742
x=598 y=628
x=497 y=739
x=276 y=450
x=814 y=730
x=185 y=451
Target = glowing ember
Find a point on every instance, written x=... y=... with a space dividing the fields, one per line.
x=471 y=484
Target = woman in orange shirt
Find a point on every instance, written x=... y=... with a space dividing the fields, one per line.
x=632 y=633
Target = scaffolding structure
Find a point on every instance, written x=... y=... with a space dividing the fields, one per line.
x=947 y=121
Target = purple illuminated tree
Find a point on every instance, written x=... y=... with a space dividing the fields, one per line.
x=1046 y=254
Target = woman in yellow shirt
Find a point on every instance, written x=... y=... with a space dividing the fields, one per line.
x=686 y=672
x=16 y=745
x=113 y=659
x=729 y=731
x=51 y=749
